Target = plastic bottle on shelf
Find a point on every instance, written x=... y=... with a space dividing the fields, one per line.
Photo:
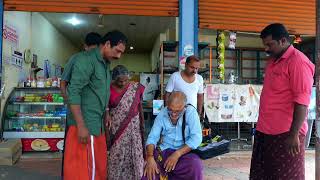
x=33 y=83
x=55 y=82
x=28 y=83
x=48 y=82
x=22 y=83
x=40 y=82
x=59 y=80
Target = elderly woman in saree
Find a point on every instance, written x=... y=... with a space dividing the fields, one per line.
x=126 y=144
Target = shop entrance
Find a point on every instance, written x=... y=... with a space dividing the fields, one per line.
x=37 y=47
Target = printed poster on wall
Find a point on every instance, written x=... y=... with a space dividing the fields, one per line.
x=226 y=102
x=312 y=106
x=10 y=34
x=211 y=102
x=246 y=103
x=10 y=42
x=232 y=103
x=150 y=82
x=157 y=105
x=239 y=103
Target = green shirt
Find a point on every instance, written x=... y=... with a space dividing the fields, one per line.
x=66 y=75
x=89 y=87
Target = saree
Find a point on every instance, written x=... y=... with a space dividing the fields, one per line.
x=126 y=151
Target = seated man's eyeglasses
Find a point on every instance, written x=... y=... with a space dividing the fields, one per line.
x=175 y=113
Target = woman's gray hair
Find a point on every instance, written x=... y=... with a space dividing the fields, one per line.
x=119 y=70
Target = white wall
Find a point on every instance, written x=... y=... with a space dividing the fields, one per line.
x=22 y=22
x=37 y=34
x=48 y=43
x=156 y=50
x=134 y=62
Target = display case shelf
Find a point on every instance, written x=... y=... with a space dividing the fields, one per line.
x=39 y=103
x=36 y=88
x=23 y=118
x=14 y=134
x=37 y=116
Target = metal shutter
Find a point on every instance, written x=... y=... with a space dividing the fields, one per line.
x=124 y=7
x=253 y=15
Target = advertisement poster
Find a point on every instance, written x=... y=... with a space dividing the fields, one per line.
x=157 y=106
x=232 y=103
x=312 y=106
x=151 y=83
x=238 y=103
x=211 y=102
x=10 y=34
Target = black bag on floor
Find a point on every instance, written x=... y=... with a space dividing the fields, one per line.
x=211 y=149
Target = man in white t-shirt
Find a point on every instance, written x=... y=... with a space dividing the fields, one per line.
x=188 y=82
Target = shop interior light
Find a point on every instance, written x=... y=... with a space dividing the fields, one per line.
x=131 y=48
x=74 y=21
x=297 y=39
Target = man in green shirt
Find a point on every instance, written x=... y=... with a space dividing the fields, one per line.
x=85 y=155
x=92 y=40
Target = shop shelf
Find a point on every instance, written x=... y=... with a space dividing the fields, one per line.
x=22 y=118
x=203 y=70
x=13 y=134
x=19 y=115
x=37 y=88
x=38 y=103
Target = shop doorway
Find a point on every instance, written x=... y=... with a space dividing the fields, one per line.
x=43 y=42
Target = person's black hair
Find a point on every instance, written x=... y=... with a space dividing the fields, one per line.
x=92 y=38
x=192 y=58
x=276 y=30
x=115 y=37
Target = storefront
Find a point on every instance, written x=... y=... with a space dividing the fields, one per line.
x=33 y=109
x=245 y=61
x=236 y=58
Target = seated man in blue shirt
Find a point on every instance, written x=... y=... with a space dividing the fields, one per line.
x=173 y=159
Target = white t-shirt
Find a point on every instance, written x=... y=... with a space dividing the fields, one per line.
x=191 y=90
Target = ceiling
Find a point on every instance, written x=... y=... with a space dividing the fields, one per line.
x=141 y=31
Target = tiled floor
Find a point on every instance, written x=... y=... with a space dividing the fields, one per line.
x=236 y=166
x=232 y=166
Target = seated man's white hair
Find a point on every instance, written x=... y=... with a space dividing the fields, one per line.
x=177 y=97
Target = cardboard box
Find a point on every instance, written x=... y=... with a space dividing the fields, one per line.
x=10 y=151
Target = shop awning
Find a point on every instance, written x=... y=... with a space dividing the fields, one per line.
x=123 y=7
x=253 y=15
